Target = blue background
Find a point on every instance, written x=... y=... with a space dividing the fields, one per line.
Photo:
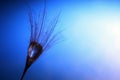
x=86 y=53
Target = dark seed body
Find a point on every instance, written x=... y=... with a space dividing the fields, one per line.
x=34 y=51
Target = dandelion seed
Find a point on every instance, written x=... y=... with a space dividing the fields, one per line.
x=41 y=39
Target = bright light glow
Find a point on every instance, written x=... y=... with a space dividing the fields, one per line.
x=100 y=31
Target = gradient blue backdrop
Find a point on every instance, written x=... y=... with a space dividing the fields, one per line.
x=90 y=50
